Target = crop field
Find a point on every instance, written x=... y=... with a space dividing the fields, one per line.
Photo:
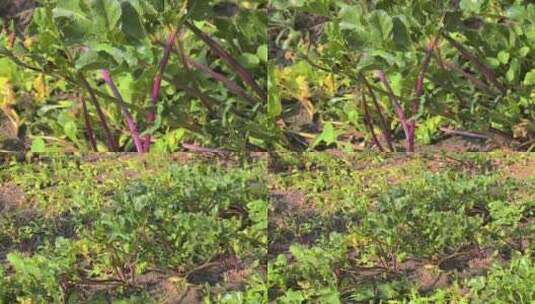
x=452 y=228
x=132 y=76
x=287 y=228
x=266 y=75
x=267 y=151
x=403 y=75
x=122 y=229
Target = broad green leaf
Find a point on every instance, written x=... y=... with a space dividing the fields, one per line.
x=88 y=61
x=71 y=130
x=492 y=62
x=327 y=136
x=380 y=25
x=262 y=53
x=503 y=57
x=396 y=83
x=317 y=7
x=452 y=21
x=426 y=131
x=199 y=10
x=107 y=13
x=524 y=51
x=38 y=145
x=169 y=142
x=471 y=6
x=274 y=107
x=249 y=60
x=131 y=24
x=126 y=85
x=114 y=53
x=512 y=73
x=159 y=5
x=284 y=4
x=401 y=34
x=529 y=79
x=350 y=17
x=359 y=38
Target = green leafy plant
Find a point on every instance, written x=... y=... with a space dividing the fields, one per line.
x=425 y=228
x=134 y=231
x=411 y=70
x=506 y=283
x=166 y=66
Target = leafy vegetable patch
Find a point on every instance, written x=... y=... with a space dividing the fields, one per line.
x=134 y=232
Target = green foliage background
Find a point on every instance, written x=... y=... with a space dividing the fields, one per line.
x=325 y=55
x=132 y=231
x=45 y=72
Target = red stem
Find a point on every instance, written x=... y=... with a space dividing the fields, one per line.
x=129 y=119
x=231 y=61
x=157 y=83
x=386 y=130
x=369 y=124
x=229 y=84
x=419 y=89
x=479 y=65
x=408 y=128
x=112 y=144
x=88 y=127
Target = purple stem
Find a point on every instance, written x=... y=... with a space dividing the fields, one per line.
x=227 y=58
x=369 y=124
x=419 y=88
x=408 y=128
x=386 y=130
x=157 y=83
x=479 y=65
x=88 y=127
x=112 y=144
x=129 y=119
x=229 y=84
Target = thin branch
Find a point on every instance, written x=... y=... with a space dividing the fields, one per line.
x=368 y=122
x=229 y=84
x=341 y=72
x=19 y=62
x=195 y=148
x=419 y=88
x=181 y=52
x=112 y=144
x=88 y=127
x=129 y=119
x=386 y=130
x=157 y=83
x=476 y=82
x=463 y=133
x=231 y=61
x=450 y=82
x=407 y=128
x=480 y=66
x=208 y=101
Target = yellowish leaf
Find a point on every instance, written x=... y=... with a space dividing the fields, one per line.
x=303 y=95
x=303 y=90
x=28 y=42
x=7 y=94
x=41 y=90
x=329 y=84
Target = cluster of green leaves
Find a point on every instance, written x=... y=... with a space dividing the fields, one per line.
x=90 y=225
x=211 y=86
x=452 y=64
x=366 y=218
